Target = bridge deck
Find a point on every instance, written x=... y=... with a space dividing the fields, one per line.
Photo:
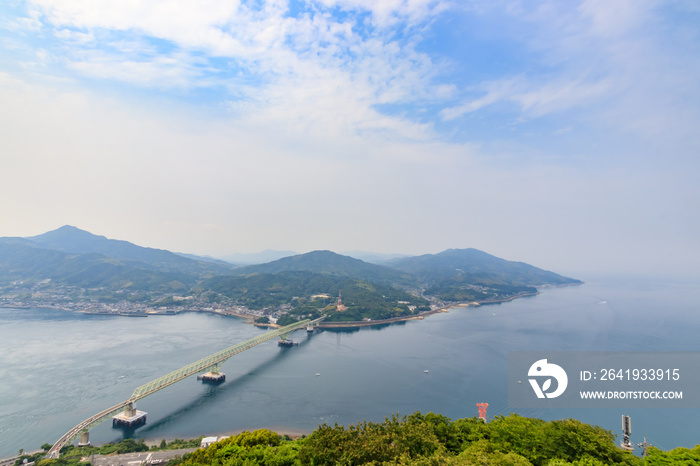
x=160 y=383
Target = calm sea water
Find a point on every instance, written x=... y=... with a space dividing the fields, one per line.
x=58 y=368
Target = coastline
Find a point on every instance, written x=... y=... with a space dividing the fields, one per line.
x=250 y=319
x=422 y=315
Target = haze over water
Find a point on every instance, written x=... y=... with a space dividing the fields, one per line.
x=58 y=368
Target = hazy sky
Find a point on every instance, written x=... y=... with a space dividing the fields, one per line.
x=563 y=134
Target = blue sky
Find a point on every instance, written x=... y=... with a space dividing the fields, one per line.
x=563 y=134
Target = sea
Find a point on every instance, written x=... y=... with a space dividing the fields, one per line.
x=58 y=368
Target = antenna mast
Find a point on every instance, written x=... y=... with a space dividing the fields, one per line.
x=644 y=445
x=626 y=431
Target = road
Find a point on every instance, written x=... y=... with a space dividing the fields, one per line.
x=11 y=461
x=135 y=459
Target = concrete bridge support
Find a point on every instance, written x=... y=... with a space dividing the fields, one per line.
x=131 y=417
x=84 y=439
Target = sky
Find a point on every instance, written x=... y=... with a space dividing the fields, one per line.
x=562 y=134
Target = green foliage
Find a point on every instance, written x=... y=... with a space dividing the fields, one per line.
x=482 y=452
x=476 y=267
x=363 y=299
x=178 y=444
x=62 y=462
x=567 y=439
x=366 y=443
x=29 y=458
x=286 y=319
x=433 y=439
x=418 y=439
x=247 y=448
x=466 y=288
x=680 y=456
x=80 y=266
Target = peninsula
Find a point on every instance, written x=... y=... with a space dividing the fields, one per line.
x=75 y=270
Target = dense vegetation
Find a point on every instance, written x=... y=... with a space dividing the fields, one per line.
x=433 y=439
x=72 y=455
x=330 y=263
x=68 y=266
x=476 y=265
x=418 y=439
x=362 y=299
x=461 y=288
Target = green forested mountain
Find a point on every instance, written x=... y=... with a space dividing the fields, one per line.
x=20 y=261
x=73 y=257
x=76 y=241
x=363 y=299
x=104 y=269
x=478 y=267
x=473 y=275
x=330 y=263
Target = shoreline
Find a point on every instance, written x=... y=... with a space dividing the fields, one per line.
x=422 y=315
x=250 y=319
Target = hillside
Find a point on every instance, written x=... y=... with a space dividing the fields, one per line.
x=363 y=299
x=458 y=275
x=480 y=267
x=330 y=263
x=94 y=268
x=76 y=241
x=69 y=266
x=417 y=439
x=23 y=262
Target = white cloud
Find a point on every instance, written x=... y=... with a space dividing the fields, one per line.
x=389 y=12
x=625 y=64
x=70 y=35
x=314 y=61
x=306 y=142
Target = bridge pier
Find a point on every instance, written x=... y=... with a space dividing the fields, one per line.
x=130 y=417
x=84 y=439
x=212 y=377
x=128 y=414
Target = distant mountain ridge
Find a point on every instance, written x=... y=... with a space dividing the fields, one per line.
x=261 y=257
x=26 y=262
x=74 y=240
x=328 y=262
x=478 y=264
x=68 y=265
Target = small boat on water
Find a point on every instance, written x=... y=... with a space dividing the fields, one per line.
x=426 y=371
x=317 y=374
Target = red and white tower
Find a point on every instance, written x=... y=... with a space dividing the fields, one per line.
x=482 y=410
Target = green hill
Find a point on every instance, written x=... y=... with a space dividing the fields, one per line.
x=481 y=267
x=418 y=439
x=76 y=241
x=72 y=257
x=22 y=262
x=458 y=275
x=330 y=263
x=363 y=299
x=102 y=269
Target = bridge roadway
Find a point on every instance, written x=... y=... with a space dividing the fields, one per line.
x=160 y=383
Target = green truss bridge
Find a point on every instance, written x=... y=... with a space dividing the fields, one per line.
x=210 y=363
